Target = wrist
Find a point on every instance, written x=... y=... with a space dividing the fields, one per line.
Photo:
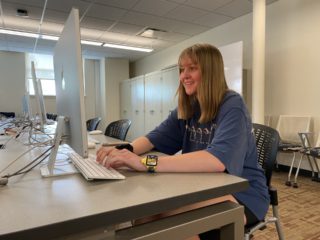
x=125 y=146
x=150 y=162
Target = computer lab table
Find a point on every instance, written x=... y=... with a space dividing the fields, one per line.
x=70 y=207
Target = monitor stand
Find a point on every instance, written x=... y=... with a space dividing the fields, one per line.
x=50 y=170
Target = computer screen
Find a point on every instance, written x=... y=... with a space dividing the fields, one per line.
x=39 y=97
x=68 y=73
x=70 y=88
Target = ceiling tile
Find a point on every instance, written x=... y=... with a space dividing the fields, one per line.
x=91 y=34
x=212 y=20
x=208 y=5
x=11 y=10
x=66 y=6
x=159 y=7
x=96 y=23
x=126 y=28
x=236 y=8
x=187 y=28
x=186 y=13
x=105 y=12
x=125 y=4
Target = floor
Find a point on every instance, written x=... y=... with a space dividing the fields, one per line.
x=299 y=210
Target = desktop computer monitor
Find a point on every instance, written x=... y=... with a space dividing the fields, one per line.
x=69 y=90
x=39 y=97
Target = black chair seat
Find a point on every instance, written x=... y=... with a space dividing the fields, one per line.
x=315 y=152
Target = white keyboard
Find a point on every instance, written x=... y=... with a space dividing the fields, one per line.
x=91 y=170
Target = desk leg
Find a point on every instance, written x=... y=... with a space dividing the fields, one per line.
x=234 y=230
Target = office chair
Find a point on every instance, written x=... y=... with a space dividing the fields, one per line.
x=118 y=129
x=289 y=128
x=52 y=116
x=312 y=154
x=267 y=140
x=93 y=123
x=8 y=114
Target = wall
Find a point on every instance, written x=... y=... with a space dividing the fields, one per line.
x=114 y=70
x=12 y=69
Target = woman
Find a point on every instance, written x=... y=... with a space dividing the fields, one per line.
x=211 y=126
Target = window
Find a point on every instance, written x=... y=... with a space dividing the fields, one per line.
x=48 y=87
x=44 y=72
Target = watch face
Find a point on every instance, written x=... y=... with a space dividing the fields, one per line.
x=152 y=160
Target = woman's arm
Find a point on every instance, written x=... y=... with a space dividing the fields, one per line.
x=199 y=161
x=141 y=145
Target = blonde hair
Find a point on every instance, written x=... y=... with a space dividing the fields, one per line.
x=212 y=86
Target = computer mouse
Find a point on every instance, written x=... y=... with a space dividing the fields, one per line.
x=91 y=145
x=94 y=132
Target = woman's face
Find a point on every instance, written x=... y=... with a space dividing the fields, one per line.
x=190 y=75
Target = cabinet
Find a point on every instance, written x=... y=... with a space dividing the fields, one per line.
x=132 y=105
x=170 y=84
x=147 y=100
x=153 y=106
x=137 y=103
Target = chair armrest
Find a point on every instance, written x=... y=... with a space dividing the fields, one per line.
x=273 y=196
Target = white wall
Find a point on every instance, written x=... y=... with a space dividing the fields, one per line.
x=12 y=77
x=113 y=71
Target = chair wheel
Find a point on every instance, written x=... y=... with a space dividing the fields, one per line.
x=295 y=185
x=288 y=183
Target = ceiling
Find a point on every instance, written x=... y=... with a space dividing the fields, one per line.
x=116 y=21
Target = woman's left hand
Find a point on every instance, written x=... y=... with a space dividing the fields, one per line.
x=112 y=157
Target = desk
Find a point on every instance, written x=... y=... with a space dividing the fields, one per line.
x=33 y=207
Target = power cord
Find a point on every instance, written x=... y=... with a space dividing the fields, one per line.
x=4 y=179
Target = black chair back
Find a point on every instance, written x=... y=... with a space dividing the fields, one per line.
x=52 y=116
x=118 y=129
x=92 y=124
x=8 y=114
x=267 y=141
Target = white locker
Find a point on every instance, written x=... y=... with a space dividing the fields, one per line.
x=125 y=102
x=137 y=103
x=170 y=83
x=153 y=95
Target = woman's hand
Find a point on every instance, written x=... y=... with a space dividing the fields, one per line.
x=112 y=157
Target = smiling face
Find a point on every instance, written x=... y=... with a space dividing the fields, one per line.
x=190 y=75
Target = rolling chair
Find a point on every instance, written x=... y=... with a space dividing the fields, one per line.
x=93 y=123
x=312 y=154
x=118 y=129
x=289 y=127
x=267 y=140
x=8 y=114
x=52 y=116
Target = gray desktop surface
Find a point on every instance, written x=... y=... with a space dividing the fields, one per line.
x=33 y=207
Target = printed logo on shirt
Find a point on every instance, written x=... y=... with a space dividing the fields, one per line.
x=200 y=134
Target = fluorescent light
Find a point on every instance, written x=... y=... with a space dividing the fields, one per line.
x=17 y=33
x=50 y=37
x=128 y=47
x=91 y=43
x=55 y=38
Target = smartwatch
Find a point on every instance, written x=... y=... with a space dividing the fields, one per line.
x=151 y=162
x=125 y=146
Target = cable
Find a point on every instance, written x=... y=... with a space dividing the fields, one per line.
x=20 y=171
x=16 y=159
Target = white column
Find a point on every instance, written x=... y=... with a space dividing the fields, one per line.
x=258 y=60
